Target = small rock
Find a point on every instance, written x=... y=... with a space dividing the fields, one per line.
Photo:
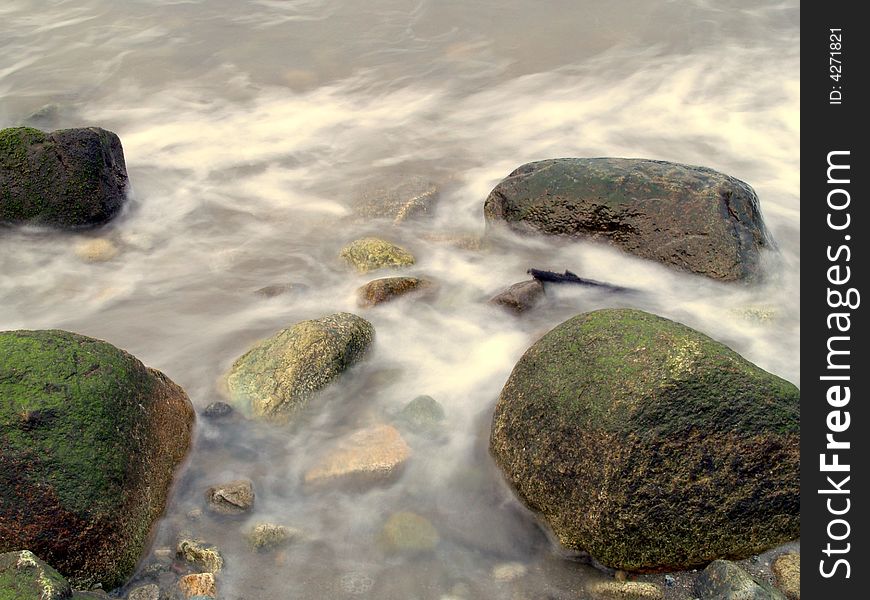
x=787 y=570
x=409 y=199
x=626 y=590
x=198 y=584
x=725 y=580
x=423 y=414
x=218 y=410
x=408 y=532
x=268 y=536
x=233 y=498
x=145 y=592
x=96 y=250
x=388 y=288
x=270 y=291
x=372 y=455
x=457 y=240
x=203 y=557
x=194 y=514
x=369 y=254
x=670 y=580
x=24 y=577
x=164 y=553
x=521 y=296
x=508 y=571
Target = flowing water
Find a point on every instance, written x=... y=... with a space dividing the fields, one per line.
x=250 y=129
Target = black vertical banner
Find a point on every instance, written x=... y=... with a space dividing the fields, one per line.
x=835 y=370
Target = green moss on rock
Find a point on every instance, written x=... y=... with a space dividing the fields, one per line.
x=24 y=577
x=69 y=178
x=279 y=376
x=370 y=254
x=90 y=438
x=648 y=444
x=692 y=218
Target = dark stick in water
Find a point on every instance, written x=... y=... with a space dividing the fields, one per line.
x=569 y=277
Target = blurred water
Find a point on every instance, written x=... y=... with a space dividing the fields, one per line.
x=251 y=126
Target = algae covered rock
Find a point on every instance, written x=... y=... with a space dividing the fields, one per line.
x=203 y=557
x=370 y=254
x=69 y=178
x=692 y=218
x=279 y=376
x=24 y=577
x=648 y=444
x=388 y=288
x=423 y=414
x=90 y=439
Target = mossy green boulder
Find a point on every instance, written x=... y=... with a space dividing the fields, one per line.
x=692 y=218
x=278 y=376
x=70 y=178
x=371 y=254
x=648 y=444
x=90 y=438
x=24 y=577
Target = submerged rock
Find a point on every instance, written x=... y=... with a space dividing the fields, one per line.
x=206 y=558
x=370 y=456
x=370 y=254
x=388 y=288
x=145 y=592
x=521 y=296
x=692 y=218
x=96 y=250
x=650 y=445
x=724 y=580
x=423 y=414
x=280 y=375
x=233 y=498
x=413 y=198
x=218 y=410
x=625 y=590
x=787 y=571
x=268 y=536
x=69 y=178
x=84 y=501
x=24 y=577
x=197 y=585
x=407 y=532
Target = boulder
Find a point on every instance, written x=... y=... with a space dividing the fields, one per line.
x=24 y=577
x=520 y=297
x=692 y=218
x=369 y=456
x=649 y=445
x=70 y=178
x=724 y=580
x=388 y=288
x=370 y=254
x=280 y=375
x=90 y=439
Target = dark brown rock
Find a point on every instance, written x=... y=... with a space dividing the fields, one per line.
x=388 y=288
x=521 y=296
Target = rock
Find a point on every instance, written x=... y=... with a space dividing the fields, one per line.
x=96 y=250
x=387 y=288
x=423 y=414
x=463 y=241
x=692 y=218
x=521 y=296
x=279 y=376
x=370 y=254
x=724 y=580
x=508 y=571
x=268 y=536
x=373 y=455
x=24 y=577
x=218 y=410
x=145 y=592
x=625 y=590
x=270 y=291
x=201 y=556
x=648 y=444
x=413 y=198
x=198 y=584
x=407 y=532
x=232 y=498
x=787 y=571
x=69 y=178
x=84 y=502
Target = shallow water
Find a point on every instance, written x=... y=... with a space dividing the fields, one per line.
x=251 y=127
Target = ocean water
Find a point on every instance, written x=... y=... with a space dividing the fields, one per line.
x=252 y=127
